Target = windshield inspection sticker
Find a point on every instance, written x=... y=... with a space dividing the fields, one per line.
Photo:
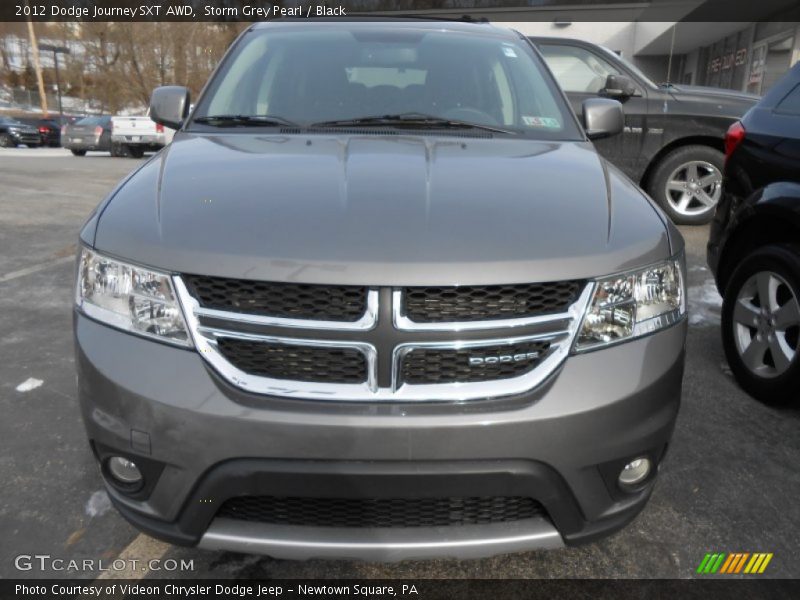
x=548 y=122
x=509 y=51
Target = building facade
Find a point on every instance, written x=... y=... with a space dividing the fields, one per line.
x=751 y=60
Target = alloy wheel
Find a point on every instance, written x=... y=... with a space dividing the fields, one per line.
x=766 y=322
x=694 y=188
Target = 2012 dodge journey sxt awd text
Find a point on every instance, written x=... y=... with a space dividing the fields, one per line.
x=380 y=298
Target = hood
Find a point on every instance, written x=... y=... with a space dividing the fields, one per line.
x=377 y=209
x=711 y=93
x=22 y=127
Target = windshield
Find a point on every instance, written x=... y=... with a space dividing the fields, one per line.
x=315 y=75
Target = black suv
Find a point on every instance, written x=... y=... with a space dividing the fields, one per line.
x=14 y=133
x=672 y=142
x=754 y=248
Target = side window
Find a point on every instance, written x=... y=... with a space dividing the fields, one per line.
x=577 y=69
x=790 y=105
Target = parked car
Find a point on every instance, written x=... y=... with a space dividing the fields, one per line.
x=14 y=132
x=407 y=312
x=49 y=130
x=133 y=136
x=754 y=246
x=672 y=144
x=90 y=133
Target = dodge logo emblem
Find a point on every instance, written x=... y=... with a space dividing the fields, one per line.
x=479 y=361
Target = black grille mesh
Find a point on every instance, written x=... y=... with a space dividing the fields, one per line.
x=297 y=363
x=431 y=365
x=381 y=512
x=287 y=300
x=481 y=303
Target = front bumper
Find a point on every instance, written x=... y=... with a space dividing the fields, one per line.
x=717 y=233
x=27 y=138
x=212 y=442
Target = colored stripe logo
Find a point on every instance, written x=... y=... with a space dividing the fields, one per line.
x=734 y=563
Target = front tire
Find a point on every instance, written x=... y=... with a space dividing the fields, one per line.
x=687 y=184
x=761 y=324
x=6 y=141
x=78 y=152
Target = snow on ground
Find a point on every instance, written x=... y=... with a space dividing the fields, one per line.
x=99 y=504
x=29 y=384
x=705 y=304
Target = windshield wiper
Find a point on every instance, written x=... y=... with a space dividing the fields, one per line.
x=418 y=120
x=244 y=121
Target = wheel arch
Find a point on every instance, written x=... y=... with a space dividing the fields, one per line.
x=711 y=141
x=771 y=225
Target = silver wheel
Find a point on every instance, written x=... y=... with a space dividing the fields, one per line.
x=694 y=188
x=766 y=321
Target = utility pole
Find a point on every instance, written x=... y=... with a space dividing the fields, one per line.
x=37 y=66
x=56 y=50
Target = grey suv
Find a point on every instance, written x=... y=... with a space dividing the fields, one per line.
x=380 y=298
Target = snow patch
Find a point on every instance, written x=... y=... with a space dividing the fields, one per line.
x=99 y=504
x=29 y=384
x=705 y=304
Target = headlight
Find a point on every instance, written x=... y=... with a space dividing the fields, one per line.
x=130 y=298
x=633 y=304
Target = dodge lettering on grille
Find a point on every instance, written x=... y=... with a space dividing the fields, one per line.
x=476 y=361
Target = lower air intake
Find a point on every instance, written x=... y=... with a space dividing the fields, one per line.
x=381 y=512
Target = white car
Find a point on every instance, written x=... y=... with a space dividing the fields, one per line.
x=133 y=136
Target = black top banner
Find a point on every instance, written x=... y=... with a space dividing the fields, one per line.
x=493 y=10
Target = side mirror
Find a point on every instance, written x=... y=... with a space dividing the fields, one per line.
x=602 y=117
x=619 y=86
x=169 y=105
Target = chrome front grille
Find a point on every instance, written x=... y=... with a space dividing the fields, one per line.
x=383 y=353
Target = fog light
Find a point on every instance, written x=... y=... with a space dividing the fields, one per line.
x=124 y=470
x=635 y=472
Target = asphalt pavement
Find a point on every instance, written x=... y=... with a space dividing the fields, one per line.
x=731 y=482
